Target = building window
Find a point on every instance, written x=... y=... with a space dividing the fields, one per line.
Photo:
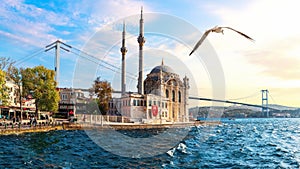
x=134 y=103
x=173 y=95
x=64 y=97
x=150 y=102
x=167 y=93
x=154 y=102
x=179 y=96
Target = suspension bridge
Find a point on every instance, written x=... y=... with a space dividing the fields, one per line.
x=58 y=45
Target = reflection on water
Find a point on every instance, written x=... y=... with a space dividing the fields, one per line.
x=242 y=143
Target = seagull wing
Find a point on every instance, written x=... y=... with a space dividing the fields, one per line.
x=246 y=36
x=200 y=41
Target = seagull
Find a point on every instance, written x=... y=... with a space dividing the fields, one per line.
x=217 y=29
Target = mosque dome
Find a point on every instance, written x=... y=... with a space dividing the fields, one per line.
x=163 y=68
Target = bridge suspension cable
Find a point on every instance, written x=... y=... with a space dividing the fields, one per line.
x=246 y=97
x=91 y=58
x=225 y=101
x=274 y=102
x=101 y=62
x=35 y=53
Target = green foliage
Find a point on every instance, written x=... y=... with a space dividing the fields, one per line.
x=103 y=91
x=3 y=89
x=15 y=74
x=40 y=83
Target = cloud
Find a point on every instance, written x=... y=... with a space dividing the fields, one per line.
x=277 y=36
x=283 y=95
x=38 y=26
x=29 y=24
x=280 y=62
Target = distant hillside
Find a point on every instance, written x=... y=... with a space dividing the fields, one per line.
x=281 y=107
x=243 y=111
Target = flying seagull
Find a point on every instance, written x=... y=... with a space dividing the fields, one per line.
x=217 y=29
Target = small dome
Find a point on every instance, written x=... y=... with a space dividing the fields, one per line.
x=163 y=68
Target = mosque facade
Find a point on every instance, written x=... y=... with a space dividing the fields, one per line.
x=162 y=97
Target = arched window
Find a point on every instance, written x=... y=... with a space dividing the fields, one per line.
x=179 y=96
x=167 y=93
x=173 y=95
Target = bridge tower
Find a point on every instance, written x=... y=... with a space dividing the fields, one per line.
x=264 y=102
x=57 y=45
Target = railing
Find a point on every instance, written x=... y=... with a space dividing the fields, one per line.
x=26 y=124
x=101 y=119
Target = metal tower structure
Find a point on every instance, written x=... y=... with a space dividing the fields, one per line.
x=57 y=45
x=264 y=102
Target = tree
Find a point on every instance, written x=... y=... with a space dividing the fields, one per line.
x=6 y=63
x=40 y=83
x=103 y=91
x=3 y=90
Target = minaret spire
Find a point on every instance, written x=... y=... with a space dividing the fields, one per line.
x=141 y=41
x=123 y=51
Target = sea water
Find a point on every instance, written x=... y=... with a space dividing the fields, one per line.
x=239 y=143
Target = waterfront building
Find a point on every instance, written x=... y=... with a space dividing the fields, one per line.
x=28 y=107
x=12 y=108
x=71 y=101
x=162 y=97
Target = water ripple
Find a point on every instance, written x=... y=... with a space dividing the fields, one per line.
x=242 y=143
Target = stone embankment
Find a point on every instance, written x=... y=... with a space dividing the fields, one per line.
x=45 y=127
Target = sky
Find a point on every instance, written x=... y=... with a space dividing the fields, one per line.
x=226 y=66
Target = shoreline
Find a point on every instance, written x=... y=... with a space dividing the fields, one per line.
x=116 y=126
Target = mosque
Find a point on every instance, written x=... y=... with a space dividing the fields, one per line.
x=161 y=98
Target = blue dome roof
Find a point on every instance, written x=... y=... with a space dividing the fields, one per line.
x=164 y=68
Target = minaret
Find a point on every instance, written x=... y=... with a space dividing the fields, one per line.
x=123 y=51
x=141 y=41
